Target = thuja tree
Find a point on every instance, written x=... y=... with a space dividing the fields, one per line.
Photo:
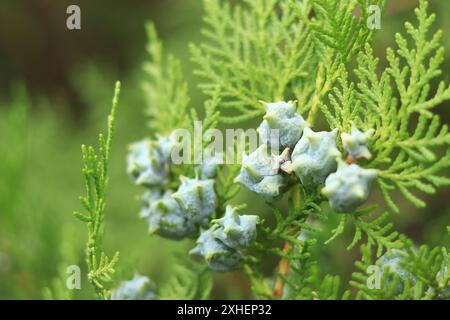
x=346 y=127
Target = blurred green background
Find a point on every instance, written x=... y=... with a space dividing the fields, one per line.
x=56 y=87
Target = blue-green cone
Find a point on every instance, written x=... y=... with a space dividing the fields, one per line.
x=165 y=145
x=356 y=143
x=259 y=173
x=281 y=116
x=222 y=243
x=348 y=187
x=166 y=219
x=148 y=161
x=217 y=255
x=197 y=199
x=139 y=288
x=145 y=166
x=314 y=157
x=150 y=196
x=234 y=230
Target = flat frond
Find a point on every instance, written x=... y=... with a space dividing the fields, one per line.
x=410 y=146
x=165 y=89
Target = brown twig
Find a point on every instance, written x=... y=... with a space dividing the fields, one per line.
x=283 y=268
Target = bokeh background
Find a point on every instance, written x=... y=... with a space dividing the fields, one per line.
x=55 y=91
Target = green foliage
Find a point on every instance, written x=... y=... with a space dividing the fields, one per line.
x=58 y=290
x=252 y=54
x=95 y=172
x=166 y=90
x=187 y=281
x=378 y=230
x=13 y=130
x=305 y=280
x=273 y=50
x=308 y=282
x=410 y=145
x=14 y=126
x=424 y=264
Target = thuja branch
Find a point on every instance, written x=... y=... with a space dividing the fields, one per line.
x=95 y=172
x=266 y=51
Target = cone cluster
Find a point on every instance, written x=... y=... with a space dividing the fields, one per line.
x=315 y=160
x=171 y=214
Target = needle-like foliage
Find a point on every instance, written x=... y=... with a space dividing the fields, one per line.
x=410 y=145
x=426 y=273
x=95 y=172
x=166 y=91
x=273 y=50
